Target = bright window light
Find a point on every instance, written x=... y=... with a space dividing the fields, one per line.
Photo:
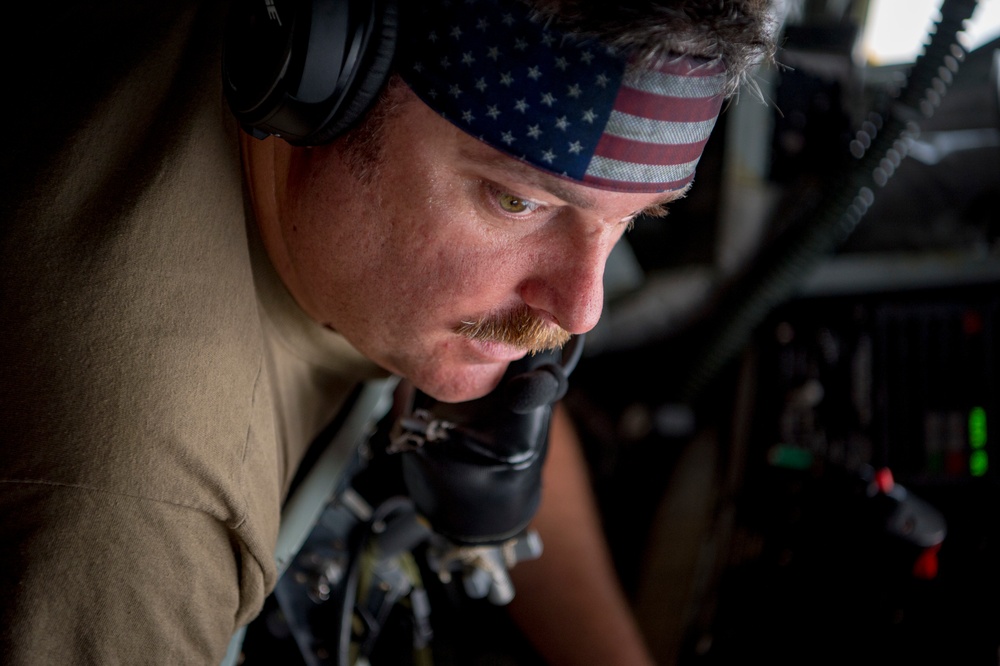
x=895 y=30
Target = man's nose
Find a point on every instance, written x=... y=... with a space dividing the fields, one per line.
x=567 y=283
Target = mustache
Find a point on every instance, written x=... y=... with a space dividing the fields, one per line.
x=519 y=328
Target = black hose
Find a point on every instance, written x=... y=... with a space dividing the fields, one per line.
x=879 y=146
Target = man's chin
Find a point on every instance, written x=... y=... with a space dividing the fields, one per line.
x=463 y=384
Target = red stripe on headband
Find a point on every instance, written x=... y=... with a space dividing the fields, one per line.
x=661 y=107
x=639 y=152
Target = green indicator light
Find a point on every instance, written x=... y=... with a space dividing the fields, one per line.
x=978 y=463
x=789 y=457
x=977 y=428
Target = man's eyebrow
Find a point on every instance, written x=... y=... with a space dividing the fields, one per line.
x=554 y=184
x=659 y=207
x=531 y=175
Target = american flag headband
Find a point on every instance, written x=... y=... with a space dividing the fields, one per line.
x=569 y=106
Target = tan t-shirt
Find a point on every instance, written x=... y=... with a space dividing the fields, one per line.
x=159 y=385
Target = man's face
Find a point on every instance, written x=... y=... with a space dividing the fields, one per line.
x=449 y=231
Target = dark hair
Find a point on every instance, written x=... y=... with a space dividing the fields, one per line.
x=740 y=32
x=363 y=145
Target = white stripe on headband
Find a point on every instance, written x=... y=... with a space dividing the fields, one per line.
x=605 y=168
x=655 y=82
x=637 y=128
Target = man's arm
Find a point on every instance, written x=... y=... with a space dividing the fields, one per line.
x=93 y=577
x=569 y=602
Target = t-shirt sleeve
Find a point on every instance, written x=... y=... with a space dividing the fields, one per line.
x=92 y=577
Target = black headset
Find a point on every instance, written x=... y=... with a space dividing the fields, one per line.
x=306 y=70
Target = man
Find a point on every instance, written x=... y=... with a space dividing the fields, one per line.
x=185 y=307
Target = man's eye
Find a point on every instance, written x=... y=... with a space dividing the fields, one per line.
x=513 y=204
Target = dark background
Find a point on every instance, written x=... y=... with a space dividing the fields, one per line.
x=735 y=442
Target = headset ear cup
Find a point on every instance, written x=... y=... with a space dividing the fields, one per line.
x=371 y=78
